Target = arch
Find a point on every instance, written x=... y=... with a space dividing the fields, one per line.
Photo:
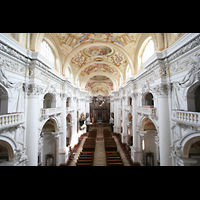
x=10 y=145
x=35 y=44
x=81 y=47
x=93 y=62
x=147 y=99
x=49 y=100
x=129 y=117
x=108 y=91
x=142 y=41
x=112 y=78
x=36 y=40
x=54 y=44
x=142 y=49
x=187 y=141
x=54 y=122
x=47 y=51
x=69 y=118
x=145 y=93
x=149 y=140
x=142 y=123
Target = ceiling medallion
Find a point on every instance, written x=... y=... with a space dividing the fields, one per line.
x=98 y=51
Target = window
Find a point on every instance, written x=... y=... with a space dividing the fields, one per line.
x=148 y=51
x=47 y=52
x=145 y=52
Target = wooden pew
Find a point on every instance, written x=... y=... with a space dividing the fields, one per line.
x=115 y=164
x=84 y=164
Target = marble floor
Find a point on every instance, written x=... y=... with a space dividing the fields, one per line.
x=99 y=154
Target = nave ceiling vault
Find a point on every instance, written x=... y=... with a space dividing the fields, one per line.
x=82 y=56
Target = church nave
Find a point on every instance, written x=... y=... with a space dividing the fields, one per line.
x=99 y=155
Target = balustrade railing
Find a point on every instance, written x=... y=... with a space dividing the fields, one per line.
x=147 y=110
x=187 y=117
x=9 y=120
x=50 y=111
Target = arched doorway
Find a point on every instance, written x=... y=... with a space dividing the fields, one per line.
x=49 y=101
x=48 y=154
x=149 y=143
x=69 y=129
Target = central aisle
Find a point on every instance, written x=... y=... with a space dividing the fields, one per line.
x=99 y=154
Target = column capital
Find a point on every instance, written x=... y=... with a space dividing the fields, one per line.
x=32 y=89
x=163 y=89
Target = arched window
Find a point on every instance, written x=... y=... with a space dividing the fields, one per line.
x=148 y=51
x=46 y=51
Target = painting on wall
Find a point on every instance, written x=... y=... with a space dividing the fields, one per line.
x=98 y=51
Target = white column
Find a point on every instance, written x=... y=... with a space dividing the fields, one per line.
x=32 y=124
x=124 y=119
x=56 y=136
x=74 y=122
x=135 y=154
x=62 y=150
x=119 y=116
x=164 y=124
x=115 y=115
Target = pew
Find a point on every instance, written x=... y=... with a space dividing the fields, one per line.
x=84 y=164
x=86 y=157
x=115 y=164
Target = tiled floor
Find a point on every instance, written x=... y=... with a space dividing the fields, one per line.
x=99 y=154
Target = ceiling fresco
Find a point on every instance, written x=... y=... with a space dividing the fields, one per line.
x=97 y=59
x=99 y=85
x=98 y=51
